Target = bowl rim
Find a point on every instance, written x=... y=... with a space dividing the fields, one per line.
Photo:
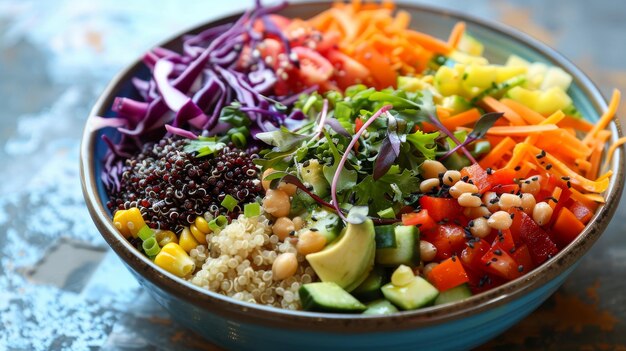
x=329 y=322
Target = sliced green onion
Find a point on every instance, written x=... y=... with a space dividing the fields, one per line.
x=229 y=202
x=387 y=213
x=218 y=223
x=252 y=209
x=151 y=247
x=309 y=102
x=145 y=233
x=239 y=139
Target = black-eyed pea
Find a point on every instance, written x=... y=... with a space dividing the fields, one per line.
x=508 y=201
x=480 y=228
x=429 y=184
x=500 y=220
x=462 y=187
x=542 y=213
x=470 y=200
x=528 y=203
x=432 y=169
x=531 y=185
x=491 y=200
x=451 y=177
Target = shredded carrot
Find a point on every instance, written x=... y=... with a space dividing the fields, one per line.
x=503 y=147
x=556 y=195
x=461 y=119
x=576 y=123
x=515 y=131
x=609 y=156
x=605 y=119
x=496 y=106
x=456 y=34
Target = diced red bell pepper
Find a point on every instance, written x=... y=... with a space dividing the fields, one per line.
x=539 y=244
x=471 y=255
x=420 y=219
x=448 y=274
x=548 y=184
x=441 y=208
x=480 y=281
x=566 y=227
x=505 y=189
x=502 y=176
x=449 y=240
x=522 y=257
x=478 y=176
x=505 y=240
x=358 y=124
x=497 y=261
x=581 y=212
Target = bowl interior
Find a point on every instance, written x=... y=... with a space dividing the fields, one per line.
x=499 y=41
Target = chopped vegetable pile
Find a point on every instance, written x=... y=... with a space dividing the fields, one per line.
x=347 y=163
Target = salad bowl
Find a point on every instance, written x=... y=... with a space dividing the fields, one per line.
x=239 y=325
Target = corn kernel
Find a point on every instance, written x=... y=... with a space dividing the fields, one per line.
x=202 y=225
x=175 y=260
x=164 y=237
x=198 y=234
x=187 y=241
x=129 y=222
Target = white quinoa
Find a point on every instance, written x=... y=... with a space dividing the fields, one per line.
x=238 y=263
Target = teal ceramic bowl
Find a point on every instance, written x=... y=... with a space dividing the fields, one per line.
x=243 y=326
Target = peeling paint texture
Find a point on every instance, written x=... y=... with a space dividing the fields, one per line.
x=56 y=286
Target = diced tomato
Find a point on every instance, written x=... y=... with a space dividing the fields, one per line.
x=314 y=68
x=501 y=176
x=505 y=189
x=449 y=240
x=478 y=176
x=441 y=208
x=329 y=40
x=448 y=274
x=420 y=219
x=581 y=212
x=522 y=257
x=539 y=244
x=471 y=255
x=566 y=227
x=505 y=240
x=498 y=261
x=347 y=70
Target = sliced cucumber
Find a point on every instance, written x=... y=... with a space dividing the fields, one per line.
x=455 y=294
x=385 y=236
x=416 y=294
x=381 y=306
x=328 y=297
x=406 y=250
x=327 y=223
x=370 y=288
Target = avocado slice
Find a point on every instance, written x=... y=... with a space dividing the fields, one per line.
x=347 y=261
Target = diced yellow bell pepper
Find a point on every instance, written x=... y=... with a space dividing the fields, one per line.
x=187 y=241
x=175 y=260
x=448 y=81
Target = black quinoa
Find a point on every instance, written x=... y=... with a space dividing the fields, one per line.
x=172 y=187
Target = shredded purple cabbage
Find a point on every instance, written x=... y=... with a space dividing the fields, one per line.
x=187 y=91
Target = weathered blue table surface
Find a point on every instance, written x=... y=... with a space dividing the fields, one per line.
x=60 y=285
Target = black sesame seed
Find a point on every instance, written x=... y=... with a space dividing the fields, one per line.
x=548 y=166
x=497 y=252
x=517 y=168
x=520 y=268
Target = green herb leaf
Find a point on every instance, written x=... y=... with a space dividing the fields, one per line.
x=204 y=146
x=282 y=139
